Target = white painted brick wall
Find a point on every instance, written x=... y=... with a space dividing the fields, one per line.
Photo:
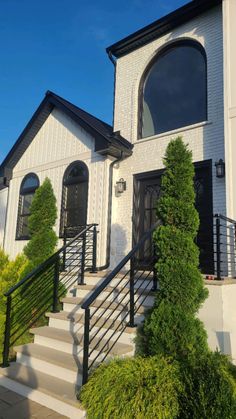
x=205 y=140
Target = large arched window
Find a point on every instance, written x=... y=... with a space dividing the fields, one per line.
x=174 y=89
x=74 y=196
x=28 y=187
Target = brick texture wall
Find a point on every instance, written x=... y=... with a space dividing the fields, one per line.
x=206 y=140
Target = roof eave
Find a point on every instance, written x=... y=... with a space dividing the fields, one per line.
x=161 y=27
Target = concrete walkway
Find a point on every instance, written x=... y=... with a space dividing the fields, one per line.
x=14 y=406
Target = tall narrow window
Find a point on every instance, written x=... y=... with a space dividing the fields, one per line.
x=28 y=187
x=74 y=196
x=174 y=89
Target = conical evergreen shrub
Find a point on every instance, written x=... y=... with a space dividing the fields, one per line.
x=41 y=222
x=172 y=327
x=172 y=331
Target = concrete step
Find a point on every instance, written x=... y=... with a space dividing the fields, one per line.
x=54 y=393
x=79 y=318
x=76 y=303
x=91 y=287
x=70 y=342
x=56 y=363
x=98 y=278
x=63 y=321
x=82 y=291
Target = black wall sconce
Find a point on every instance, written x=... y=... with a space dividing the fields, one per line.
x=120 y=186
x=220 y=168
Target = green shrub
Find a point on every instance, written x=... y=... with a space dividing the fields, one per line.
x=11 y=272
x=172 y=328
x=210 y=388
x=43 y=214
x=185 y=337
x=136 y=388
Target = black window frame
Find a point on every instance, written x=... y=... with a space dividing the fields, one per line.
x=67 y=181
x=24 y=191
x=163 y=50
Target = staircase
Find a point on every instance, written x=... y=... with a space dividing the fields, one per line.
x=49 y=371
x=90 y=317
x=97 y=321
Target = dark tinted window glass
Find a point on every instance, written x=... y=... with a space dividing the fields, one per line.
x=26 y=204
x=30 y=182
x=174 y=93
x=28 y=187
x=74 y=197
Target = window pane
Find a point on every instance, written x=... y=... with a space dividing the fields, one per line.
x=175 y=93
x=76 y=171
x=25 y=229
x=76 y=204
x=26 y=204
x=30 y=182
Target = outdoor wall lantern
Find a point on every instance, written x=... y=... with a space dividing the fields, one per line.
x=120 y=186
x=220 y=168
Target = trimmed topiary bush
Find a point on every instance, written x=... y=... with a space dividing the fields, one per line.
x=178 y=377
x=41 y=246
x=172 y=328
x=133 y=388
x=43 y=214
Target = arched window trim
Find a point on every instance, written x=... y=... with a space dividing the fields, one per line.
x=22 y=213
x=66 y=182
x=162 y=50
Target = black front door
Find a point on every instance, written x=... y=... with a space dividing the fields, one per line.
x=147 y=188
x=204 y=206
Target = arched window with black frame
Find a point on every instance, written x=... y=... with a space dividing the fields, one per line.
x=28 y=187
x=74 y=198
x=173 y=90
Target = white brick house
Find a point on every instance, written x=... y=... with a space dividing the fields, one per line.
x=60 y=133
x=175 y=77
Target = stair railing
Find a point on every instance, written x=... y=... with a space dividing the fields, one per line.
x=40 y=291
x=224 y=246
x=127 y=287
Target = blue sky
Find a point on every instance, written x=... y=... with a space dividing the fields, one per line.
x=59 y=45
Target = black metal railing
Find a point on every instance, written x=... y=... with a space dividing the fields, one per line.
x=126 y=289
x=41 y=290
x=90 y=240
x=224 y=246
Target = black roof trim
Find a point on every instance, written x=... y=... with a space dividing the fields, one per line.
x=107 y=142
x=161 y=27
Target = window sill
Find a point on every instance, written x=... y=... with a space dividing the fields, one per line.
x=173 y=132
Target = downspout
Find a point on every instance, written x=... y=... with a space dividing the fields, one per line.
x=109 y=214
